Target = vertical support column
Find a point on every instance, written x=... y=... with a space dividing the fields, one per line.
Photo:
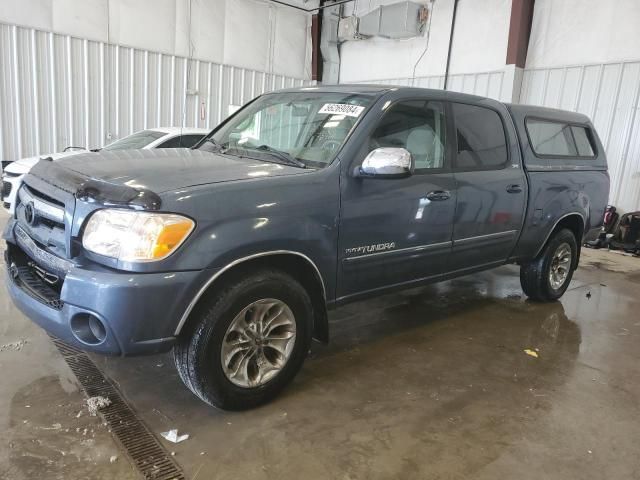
x=316 y=56
x=518 y=44
x=329 y=43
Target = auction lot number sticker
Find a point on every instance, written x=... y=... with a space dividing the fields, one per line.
x=342 y=109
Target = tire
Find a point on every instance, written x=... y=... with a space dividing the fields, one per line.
x=535 y=276
x=202 y=349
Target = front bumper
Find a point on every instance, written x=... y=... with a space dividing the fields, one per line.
x=140 y=311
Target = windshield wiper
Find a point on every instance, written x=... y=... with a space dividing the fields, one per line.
x=282 y=155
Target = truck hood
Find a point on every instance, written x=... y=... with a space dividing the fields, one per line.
x=162 y=170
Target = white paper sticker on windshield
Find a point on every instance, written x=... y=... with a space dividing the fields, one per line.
x=342 y=109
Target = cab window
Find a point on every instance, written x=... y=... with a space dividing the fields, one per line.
x=418 y=126
x=480 y=137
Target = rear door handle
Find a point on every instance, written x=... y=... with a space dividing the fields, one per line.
x=439 y=195
x=514 y=188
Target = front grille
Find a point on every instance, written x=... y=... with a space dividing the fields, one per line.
x=42 y=219
x=46 y=198
x=44 y=207
x=6 y=188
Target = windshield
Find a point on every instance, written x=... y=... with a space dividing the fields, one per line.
x=136 y=140
x=304 y=129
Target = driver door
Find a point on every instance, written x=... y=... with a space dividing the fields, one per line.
x=396 y=231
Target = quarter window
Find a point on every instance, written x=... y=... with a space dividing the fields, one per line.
x=481 y=139
x=583 y=142
x=559 y=139
x=418 y=126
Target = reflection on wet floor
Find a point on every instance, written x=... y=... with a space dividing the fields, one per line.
x=428 y=383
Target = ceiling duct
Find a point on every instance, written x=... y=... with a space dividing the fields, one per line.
x=397 y=20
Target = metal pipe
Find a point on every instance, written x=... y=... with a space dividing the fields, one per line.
x=453 y=24
x=309 y=10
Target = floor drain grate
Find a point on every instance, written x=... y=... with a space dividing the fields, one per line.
x=152 y=460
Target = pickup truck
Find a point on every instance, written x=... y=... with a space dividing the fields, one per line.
x=232 y=253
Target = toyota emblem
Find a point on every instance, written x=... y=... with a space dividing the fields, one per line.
x=29 y=213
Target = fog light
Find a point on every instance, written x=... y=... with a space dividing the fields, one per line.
x=88 y=328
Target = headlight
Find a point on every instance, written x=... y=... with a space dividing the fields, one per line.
x=135 y=236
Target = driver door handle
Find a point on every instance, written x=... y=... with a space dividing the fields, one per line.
x=439 y=195
x=514 y=188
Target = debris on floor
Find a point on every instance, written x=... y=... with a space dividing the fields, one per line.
x=113 y=458
x=531 y=353
x=172 y=436
x=588 y=295
x=55 y=426
x=96 y=403
x=16 y=346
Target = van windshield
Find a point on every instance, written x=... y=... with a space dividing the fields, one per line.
x=305 y=129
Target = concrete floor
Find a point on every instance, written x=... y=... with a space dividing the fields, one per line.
x=432 y=383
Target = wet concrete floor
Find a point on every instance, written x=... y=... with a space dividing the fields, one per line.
x=432 y=383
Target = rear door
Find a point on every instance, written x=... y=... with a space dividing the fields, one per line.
x=492 y=187
x=395 y=231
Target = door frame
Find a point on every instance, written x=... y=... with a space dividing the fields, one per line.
x=358 y=154
x=514 y=161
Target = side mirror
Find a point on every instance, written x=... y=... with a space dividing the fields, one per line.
x=386 y=163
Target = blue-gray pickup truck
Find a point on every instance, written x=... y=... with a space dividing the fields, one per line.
x=231 y=253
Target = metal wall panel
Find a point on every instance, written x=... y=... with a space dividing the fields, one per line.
x=486 y=84
x=60 y=91
x=608 y=94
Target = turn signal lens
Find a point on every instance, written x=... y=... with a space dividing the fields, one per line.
x=170 y=237
x=131 y=236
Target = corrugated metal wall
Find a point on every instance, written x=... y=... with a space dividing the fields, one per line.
x=608 y=94
x=61 y=91
x=486 y=84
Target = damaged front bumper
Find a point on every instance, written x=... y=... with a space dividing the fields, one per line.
x=96 y=308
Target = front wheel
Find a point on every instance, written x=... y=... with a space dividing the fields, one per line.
x=547 y=277
x=247 y=342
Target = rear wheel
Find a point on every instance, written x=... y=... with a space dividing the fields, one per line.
x=547 y=277
x=247 y=342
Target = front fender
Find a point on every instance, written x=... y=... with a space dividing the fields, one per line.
x=236 y=220
x=227 y=241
